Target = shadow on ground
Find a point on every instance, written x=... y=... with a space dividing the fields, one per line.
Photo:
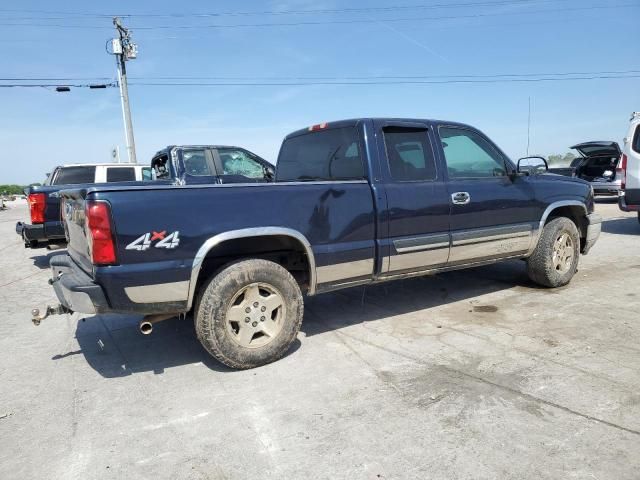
x=375 y=302
x=114 y=347
x=42 y=261
x=622 y=226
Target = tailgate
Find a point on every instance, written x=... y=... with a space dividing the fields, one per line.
x=73 y=215
x=52 y=201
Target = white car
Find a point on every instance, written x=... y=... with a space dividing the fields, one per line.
x=629 y=199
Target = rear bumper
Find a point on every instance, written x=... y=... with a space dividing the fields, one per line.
x=606 y=188
x=41 y=232
x=624 y=206
x=593 y=231
x=74 y=288
x=30 y=233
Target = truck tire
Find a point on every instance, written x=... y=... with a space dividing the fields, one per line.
x=555 y=259
x=249 y=313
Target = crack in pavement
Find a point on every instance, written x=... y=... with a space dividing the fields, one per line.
x=477 y=378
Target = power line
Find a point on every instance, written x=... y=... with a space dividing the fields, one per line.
x=620 y=73
x=391 y=77
x=326 y=83
x=279 y=12
x=373 y=82
x=52 y=79
x=330 y=22
x=56 y=85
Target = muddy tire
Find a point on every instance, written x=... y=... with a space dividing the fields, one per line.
x=555 y=259
x=249 y=313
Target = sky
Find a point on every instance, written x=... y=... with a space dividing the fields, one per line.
x=295 y=41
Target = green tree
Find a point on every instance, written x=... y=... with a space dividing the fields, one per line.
x=12 y=189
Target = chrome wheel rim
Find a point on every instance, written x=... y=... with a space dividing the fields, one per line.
x=563 y=252
x=255 y=315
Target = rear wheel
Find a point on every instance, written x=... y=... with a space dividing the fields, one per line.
x=555 y=259
x=249 y=313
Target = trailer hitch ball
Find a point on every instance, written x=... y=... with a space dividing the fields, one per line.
x=36 y=318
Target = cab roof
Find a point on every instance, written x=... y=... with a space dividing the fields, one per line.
x=352 y=122
x=102 y=165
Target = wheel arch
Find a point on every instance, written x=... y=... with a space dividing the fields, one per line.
x=217 y=242
x=572 y=209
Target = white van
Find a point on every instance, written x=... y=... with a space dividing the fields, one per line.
x=629 y=199
x=98 y=173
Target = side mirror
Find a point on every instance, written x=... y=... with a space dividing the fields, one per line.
x=532 y=165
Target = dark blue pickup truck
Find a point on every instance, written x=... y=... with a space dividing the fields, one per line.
x=354 y=202
x=184 y=164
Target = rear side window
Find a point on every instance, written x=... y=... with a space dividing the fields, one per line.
x=409 y=153
x=121 y=174
x=147 y=174
x=73 y=175
x=161 y=166
x=325 y=155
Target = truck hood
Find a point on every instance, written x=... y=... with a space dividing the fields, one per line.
x=562 y=178
x=599 y=149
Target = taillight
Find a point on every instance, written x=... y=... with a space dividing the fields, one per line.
x=101 y=242
x=37 y=206
x=622 y=171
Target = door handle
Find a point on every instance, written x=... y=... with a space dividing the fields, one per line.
x=460 y=198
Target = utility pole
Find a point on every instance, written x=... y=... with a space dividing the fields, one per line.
x=529 y=127
x=124 y=50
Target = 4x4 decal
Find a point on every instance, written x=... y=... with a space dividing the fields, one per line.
x=144 y=241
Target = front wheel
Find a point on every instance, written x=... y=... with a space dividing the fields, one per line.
x=249 y=313
x=555 y=259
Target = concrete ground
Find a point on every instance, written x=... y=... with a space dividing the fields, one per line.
x=474 y=374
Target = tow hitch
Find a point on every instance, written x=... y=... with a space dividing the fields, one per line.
x=36 y=318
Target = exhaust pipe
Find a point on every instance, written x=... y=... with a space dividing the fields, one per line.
x=146 y=324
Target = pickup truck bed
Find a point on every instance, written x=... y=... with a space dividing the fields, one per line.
x=355 y=202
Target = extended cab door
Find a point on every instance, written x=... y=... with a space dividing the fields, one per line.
x=493 y=214
x=197 y=165
x=417 y=199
